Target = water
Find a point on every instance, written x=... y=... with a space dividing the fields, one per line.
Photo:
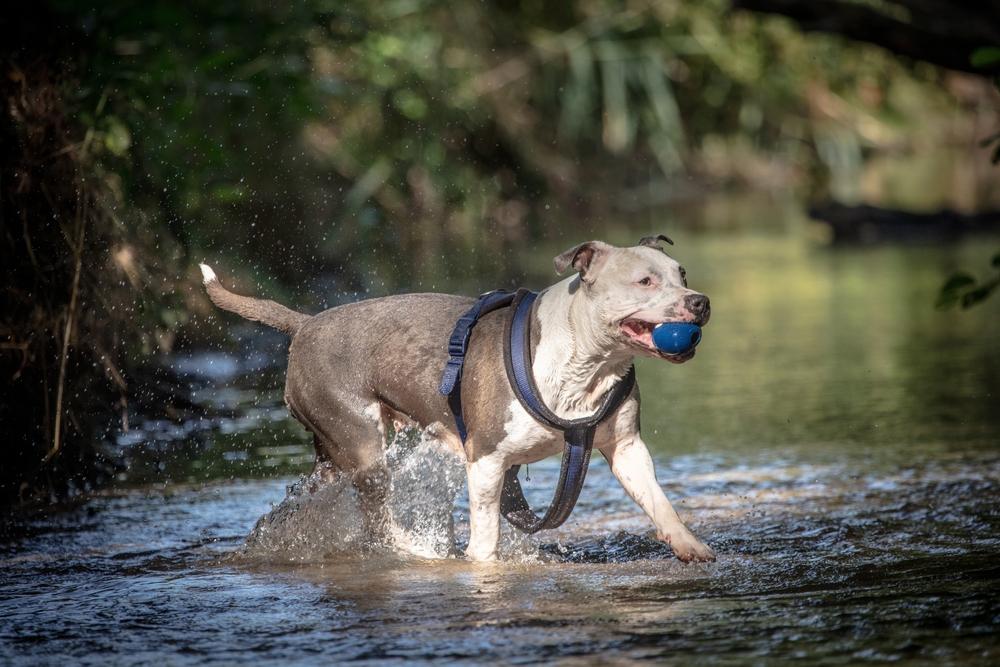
x=837 y=442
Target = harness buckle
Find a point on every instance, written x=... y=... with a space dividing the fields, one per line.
x=459 y=341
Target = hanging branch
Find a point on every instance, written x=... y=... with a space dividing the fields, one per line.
x=68 y=330
x=942 y=32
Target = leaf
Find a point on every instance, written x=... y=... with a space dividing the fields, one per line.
x=973 y=297
x=950 y=291
x=617 y=119
x=958 y=281
x=117 y=138
x=983 y=143
x=410 y=104
x=986 y=56
x=578 y=100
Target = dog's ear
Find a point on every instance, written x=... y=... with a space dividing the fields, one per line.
x=585 y=258
x=654 y=241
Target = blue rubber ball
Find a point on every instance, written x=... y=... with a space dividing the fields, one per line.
x=676 y=337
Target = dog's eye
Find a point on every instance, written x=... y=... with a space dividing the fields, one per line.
x=684 y=277
x=646 y=282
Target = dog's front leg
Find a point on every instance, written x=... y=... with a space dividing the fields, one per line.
x=485 y=486
x=632 y=465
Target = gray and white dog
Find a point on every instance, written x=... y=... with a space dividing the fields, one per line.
x=356 y=368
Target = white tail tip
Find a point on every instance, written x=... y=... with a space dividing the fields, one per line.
x=207 y=274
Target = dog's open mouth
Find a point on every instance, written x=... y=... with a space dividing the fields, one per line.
x=640 y=334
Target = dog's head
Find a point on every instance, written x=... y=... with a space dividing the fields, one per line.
x=626 y=292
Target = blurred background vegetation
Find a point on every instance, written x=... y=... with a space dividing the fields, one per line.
x=347 y=149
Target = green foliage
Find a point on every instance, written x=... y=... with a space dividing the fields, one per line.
x=963 y=289
x=366 y=145
x=300 y=136
x=986 y=57
x=190 y=100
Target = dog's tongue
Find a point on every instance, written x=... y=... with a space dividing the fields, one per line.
x=635 y=327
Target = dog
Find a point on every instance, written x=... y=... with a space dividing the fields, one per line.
x=356 y=369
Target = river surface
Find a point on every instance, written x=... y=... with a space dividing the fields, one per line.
x=836 y=441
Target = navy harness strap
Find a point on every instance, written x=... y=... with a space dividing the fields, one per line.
x=578 y=433
x=458 y=345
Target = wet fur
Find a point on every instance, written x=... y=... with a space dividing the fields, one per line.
x=355 y=368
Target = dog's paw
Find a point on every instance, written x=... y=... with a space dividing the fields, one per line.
x=688 y=548
x=481 y=555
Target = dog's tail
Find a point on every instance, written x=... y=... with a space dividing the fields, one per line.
x=259 y=310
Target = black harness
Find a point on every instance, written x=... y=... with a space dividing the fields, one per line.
x=578 y=433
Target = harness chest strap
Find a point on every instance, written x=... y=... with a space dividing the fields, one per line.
x=577 y=433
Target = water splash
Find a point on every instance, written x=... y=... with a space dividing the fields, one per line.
x=426 y=479
x=320 y=517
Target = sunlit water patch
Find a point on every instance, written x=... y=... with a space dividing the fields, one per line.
x=840 y=563
x=835 y=441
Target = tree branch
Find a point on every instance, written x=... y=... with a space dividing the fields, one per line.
x=936 y=31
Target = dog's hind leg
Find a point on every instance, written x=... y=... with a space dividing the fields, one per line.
x=362 y=450
x=350 y=438
x=323 y=468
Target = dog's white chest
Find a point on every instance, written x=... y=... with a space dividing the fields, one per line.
x=525 y=439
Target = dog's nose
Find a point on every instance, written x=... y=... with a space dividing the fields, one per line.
x=698 y=305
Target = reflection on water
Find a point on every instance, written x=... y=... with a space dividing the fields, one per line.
x=835 y=440
x=823 y=561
